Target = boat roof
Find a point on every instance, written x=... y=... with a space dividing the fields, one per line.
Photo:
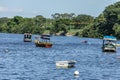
x=112 y=38
x=46 y=35
x=47 y=38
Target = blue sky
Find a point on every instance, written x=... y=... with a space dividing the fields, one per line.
x=31 y=8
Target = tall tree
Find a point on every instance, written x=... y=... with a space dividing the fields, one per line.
x=82 y=20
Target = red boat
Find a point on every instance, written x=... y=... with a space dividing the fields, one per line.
x=45 y=41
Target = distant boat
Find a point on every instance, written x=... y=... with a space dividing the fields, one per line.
x=118 y=44
x=27 y=37
x=44 y=41
x=109 y=44
x=84 y=41
x=65 y=64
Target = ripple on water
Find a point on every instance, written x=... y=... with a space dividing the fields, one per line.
x=24 y=61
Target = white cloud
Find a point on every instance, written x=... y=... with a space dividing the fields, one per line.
x=6 y=9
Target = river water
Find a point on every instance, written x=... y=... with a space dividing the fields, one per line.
x=23 y=61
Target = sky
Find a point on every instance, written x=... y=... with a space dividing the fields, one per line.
x=32 y=8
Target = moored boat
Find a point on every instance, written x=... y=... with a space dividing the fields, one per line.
x=118 y=44
x=65 y=64
x=27 y=37
x=44 y=41
x=109 y=44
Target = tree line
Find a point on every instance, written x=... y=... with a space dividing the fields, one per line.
x=83 y=25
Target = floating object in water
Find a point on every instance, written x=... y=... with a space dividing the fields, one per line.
x=45 y=41
x=109 y=44
x=76 y=73
x=118 y=45
x=65 y=64
x=84 y=41
x=6 y=50
x=118 y=57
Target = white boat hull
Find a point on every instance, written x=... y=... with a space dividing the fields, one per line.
x=65 y=64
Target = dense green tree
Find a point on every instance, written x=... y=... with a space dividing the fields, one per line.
x=3 y=22
x=61 y=24
x=116 y=28
x=111 y=15
x=82 y=20
x=106 y=20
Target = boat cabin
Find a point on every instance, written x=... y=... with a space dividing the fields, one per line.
x=109 y=44
x=27 y=37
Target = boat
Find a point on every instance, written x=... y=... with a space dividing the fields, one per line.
x=109 y=44
x=27 y=37
x=44 y=41
x=118 y=44
x=65 y=64
x=84 y=41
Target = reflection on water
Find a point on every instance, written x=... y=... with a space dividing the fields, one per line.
x=24 y=61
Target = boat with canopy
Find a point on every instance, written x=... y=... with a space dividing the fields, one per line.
x=109 y=44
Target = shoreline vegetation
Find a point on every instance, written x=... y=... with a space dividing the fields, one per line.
x=67 y=24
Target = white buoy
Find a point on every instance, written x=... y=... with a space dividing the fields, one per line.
x=76 y=73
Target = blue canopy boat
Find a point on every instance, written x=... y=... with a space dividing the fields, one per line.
x=109 y=44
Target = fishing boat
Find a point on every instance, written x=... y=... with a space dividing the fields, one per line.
x=65 y=64
x=43 y=41
x=109 y=44
x=27 y=37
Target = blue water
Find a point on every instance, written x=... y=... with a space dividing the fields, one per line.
x=23 y=61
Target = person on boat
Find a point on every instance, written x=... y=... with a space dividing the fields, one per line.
x=36 y=40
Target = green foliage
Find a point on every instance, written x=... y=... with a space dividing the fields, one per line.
x=61 y=25
x=82 y=20
x=107 y=23
x=65 y=15
x=116 y=28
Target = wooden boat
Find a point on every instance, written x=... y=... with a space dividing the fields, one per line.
x=27 y=37
x=109 y=44
x=45 y=41
x=65 y=64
